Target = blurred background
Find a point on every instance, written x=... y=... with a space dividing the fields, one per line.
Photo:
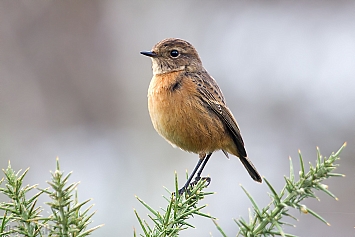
x=73 y=85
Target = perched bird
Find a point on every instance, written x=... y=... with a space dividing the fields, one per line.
x=188 y=109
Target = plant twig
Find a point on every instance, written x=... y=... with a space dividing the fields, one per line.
x=173 y=219
x=268 y=222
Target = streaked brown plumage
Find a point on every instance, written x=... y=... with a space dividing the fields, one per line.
x=187 y=107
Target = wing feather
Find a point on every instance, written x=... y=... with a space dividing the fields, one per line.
x=212 y=96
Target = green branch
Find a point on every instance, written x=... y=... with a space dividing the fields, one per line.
x=173 y=219
x=267 y=221
x=21 y=216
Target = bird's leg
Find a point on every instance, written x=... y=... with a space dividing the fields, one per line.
x=183 y=189
x=198 y=176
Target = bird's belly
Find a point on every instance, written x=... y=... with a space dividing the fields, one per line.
x=183 y=120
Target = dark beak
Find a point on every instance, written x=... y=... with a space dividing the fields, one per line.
x=149 y=53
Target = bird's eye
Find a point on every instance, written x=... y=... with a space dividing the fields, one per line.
x=174 y=53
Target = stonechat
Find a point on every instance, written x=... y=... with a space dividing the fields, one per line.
x=188 y=109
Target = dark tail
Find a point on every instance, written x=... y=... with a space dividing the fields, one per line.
x=251 y=169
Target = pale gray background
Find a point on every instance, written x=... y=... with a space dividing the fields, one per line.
x=73 y=85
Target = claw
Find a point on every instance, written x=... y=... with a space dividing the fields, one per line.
x=181 y=191
x=197 y=179
x=192 y=184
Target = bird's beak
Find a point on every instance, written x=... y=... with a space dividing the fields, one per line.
x=149 y=54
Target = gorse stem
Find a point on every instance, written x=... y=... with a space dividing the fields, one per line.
x=172 y=220
x=268 y=222
x=20 y=209
x=22 y=218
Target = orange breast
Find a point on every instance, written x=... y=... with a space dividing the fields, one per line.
x=182 y=118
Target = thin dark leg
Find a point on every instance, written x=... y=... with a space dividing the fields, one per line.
x=182 y=190
x=203 y=165
x=198 y=176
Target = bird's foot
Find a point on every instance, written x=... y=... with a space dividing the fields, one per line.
x=181 y=191
x=197 y=179
x=192 y=184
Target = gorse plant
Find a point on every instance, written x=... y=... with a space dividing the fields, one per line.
x=22 y=216
x=19 y=210
x=172 y=220
x=267 y=221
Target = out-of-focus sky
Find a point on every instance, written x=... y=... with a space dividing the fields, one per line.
x=73 y=85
